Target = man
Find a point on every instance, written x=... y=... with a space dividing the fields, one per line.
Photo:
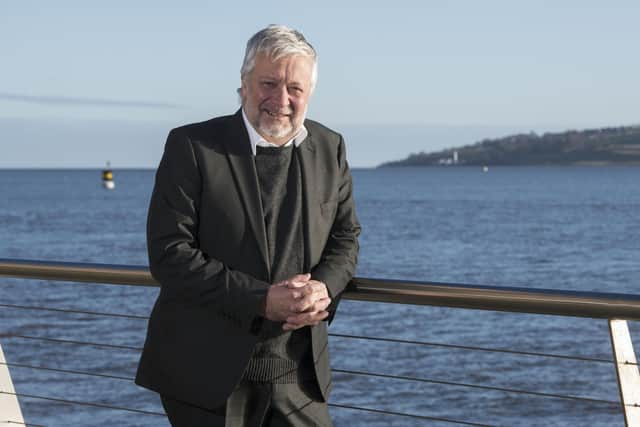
x=252 y=234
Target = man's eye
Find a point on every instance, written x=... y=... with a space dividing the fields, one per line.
x=268 y=84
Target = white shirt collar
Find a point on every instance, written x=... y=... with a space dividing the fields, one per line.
x=256 y=139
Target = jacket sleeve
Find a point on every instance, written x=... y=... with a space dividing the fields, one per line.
x=187 y=275
x=338 y=260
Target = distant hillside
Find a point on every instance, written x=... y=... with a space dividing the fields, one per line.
x=613 y=145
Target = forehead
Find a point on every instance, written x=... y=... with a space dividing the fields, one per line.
x=291 y=67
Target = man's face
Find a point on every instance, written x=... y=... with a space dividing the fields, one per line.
x=275 y=95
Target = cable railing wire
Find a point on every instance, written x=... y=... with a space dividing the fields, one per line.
x=351 y=372
x=478 y=386
x=74 y=311
x=121 y=347
x=394 y=413
x=81 y=403
x=388 y=376
x=472 y=348
x=134 y=410
x=415 y=416
x=19 y=423
x=65 y=371
x=521 y=300
x=64 y=341
x=382 y=339
x=368 y=338
x=143 y=412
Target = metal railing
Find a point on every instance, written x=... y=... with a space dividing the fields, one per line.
x=610 y=306
x=517 y=300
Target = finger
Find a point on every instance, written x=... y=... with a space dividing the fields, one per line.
x=303 y=291
x=317 y=283
x=296 y=285
x=301 y=306
x=319 y=288
x=316 y=318
x=322 y=304
x=310 y=303
x=304 y=297
x=308 y=318
x=302 y=303
x=297 y=281
x=293 y=326
x=315 y=306
x=301 y=278
x=296 y=320
x=296 y=293
x=315 y=292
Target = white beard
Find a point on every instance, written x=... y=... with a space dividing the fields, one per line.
x=276 y=130
x=280 y=130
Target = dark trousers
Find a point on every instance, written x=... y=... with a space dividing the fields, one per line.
x=255 y=405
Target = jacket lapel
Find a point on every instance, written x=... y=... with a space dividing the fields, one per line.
x=309 y=169
x=246 y=178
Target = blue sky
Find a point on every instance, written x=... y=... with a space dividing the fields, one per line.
x=84 y=82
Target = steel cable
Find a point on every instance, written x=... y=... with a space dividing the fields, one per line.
x=131 y=379
x=392 y=340
x=415 y=416
x=80 y=403
x=61 y=341
x=344 y=371
x=464 y=347
x=65 y=371
x=138 y=411
x=483 y=387
x=20 y=423
x=64 y=310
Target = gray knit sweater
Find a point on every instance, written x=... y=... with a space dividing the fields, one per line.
x=280 y=356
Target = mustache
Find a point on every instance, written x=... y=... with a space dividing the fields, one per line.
x=271 y=109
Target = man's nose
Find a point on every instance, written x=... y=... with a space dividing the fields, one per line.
x=281 y=96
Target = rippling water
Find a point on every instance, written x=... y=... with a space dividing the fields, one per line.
x=541 y=227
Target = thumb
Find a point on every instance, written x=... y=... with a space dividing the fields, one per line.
x=298 y=280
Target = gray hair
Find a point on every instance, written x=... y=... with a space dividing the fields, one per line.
x=278 y=41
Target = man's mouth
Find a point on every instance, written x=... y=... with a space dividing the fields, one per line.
x=277 y=114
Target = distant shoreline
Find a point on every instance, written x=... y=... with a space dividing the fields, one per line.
x=355 y=168
x=591 y=147
x=559 y=165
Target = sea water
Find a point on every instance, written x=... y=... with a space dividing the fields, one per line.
x=568 y=228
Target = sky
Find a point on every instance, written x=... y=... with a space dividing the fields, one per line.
x=85 y=82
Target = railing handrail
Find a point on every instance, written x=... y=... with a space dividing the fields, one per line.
x=495 y=298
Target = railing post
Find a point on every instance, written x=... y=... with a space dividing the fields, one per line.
x=10 y=413
x=627 y=370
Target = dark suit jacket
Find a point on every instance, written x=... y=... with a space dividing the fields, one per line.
x=208 y=249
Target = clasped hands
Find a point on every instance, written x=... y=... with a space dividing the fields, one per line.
x=297 y=302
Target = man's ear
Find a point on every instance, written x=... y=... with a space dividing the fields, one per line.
x=242 y=92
